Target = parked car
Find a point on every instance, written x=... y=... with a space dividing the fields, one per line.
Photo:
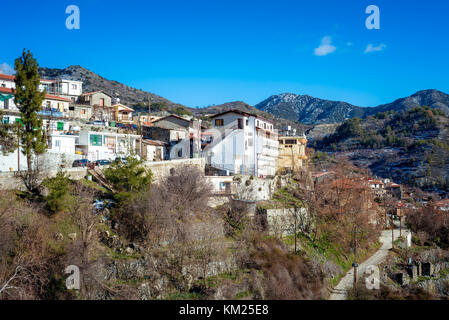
x=96 y=123
x=121 y=160
x=102 y=162
x=80 y=163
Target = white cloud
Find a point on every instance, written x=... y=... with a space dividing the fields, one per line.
x=370 y=48
x=325 y=47
x=6 y=68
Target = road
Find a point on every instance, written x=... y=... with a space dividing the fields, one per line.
x=346 y=283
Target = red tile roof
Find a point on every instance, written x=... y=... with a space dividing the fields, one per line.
x=50 y=97
x=6 y=77
x=5 y=90
x=393 y=185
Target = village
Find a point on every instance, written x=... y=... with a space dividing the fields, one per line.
x=87 y=131
x=251 y=166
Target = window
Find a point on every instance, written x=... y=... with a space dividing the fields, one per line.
x=74 y=86
x=110 y=142
x=290 y=141
x=95 y=140
x=240 y=123
x=57 y=143
x=219 y=122
x=83 y=111
x=257 y=124
x=264 y=125
x=6 y=104
x=247 y=122
x=281 y=141
x=3 y=85
x=5 y=120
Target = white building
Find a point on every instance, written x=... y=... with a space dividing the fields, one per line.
x=106 y=145
x=53 y=105
x=69 y=89
x=243 y=143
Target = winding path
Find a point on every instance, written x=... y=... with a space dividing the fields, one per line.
x=346 y=283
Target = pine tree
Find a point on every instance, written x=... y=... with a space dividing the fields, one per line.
x=29 y=100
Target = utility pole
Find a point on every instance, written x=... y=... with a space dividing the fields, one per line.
x=355 y=264
x=392 y=232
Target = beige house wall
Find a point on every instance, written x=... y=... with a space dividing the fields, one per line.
x=292 y=156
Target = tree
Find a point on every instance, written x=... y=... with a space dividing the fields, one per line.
x=7 y=141
x=58 y=197
x=29 y=100
x=128 y=178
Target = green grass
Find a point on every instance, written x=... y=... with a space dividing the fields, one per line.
x=322 y=249
x=243 y=294
x=93 y=185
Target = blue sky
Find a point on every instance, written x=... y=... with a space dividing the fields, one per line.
x=203 y=52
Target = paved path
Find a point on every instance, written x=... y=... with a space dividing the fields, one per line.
x=346 y=283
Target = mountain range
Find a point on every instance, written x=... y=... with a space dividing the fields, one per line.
x=285 y=109
x=312 y=111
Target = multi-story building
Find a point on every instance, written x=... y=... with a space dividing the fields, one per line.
x=96 y=145
x=242 y=143
x=181 y=136
x=53 y=105
x=69 y=89
x=100 y=103
x=292 y=150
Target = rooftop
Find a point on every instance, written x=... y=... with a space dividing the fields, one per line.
x=243 y=113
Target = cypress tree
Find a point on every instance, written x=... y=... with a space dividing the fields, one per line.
x=29 y=100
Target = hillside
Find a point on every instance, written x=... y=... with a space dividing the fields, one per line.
x=310 y=110
x=410 y=146
x=132 y=97
x=242 y=106
x=138 y=99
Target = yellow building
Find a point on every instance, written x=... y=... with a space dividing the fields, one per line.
x=292 y=153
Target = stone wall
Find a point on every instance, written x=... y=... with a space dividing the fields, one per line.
x=10 y=181
x=281 y=222
x=160 y=169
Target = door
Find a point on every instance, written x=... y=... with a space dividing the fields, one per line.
x=102 y=102
x=240 y=123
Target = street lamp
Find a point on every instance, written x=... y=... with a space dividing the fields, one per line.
x=355 y=265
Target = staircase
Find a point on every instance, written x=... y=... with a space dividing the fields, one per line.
x=100 y=178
